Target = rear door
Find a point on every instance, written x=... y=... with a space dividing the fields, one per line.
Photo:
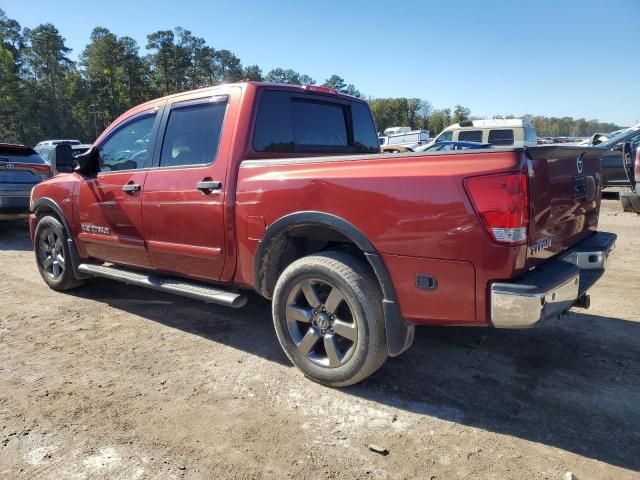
x=109 y=206
x=565 y=186
x=612 y=165
x=184 y=195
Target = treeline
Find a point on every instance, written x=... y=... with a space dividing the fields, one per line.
x=419 y=114
x=44 y=94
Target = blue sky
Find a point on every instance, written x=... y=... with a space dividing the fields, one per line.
x=556 y=58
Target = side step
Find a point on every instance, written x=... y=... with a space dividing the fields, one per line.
x=176 y=286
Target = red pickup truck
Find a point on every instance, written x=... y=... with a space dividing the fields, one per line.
x=282 y=190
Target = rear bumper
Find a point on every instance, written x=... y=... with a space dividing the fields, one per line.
x=553 y=287
x=14 y=205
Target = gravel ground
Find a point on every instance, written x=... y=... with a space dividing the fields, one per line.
x=111 y=381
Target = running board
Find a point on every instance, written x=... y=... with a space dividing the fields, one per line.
x=185 y=288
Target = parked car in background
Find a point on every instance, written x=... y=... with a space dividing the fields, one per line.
x=450 y=146
x=57 y=142
x=20 y=169
x=613 y=170
x=630 y=200
x=279 y=189
x=405 y=142
x=500 y=132
x=45 y=151
x=396 y=130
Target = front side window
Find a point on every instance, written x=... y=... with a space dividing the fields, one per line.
x=193 y=133
x=127 y=148
x=501 y=137
x=445 y=136
x=470 y=136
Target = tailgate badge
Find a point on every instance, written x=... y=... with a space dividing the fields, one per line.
x=540 y=245
x=579 y=164
x=9 y=166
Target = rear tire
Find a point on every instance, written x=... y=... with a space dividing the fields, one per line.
x=327 y=313
x=52 y=255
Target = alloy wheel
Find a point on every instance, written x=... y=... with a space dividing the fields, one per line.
x=321 y=322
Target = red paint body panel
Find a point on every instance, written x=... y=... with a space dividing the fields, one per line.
x=102 y=203
x=452 y=302
x=412 y=208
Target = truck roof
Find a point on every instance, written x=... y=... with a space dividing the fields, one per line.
x=284 y=86
x=489 y=123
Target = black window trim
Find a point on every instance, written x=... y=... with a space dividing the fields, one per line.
x=158 y=111
x=155 y=164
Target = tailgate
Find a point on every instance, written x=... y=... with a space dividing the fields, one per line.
x=565 y=186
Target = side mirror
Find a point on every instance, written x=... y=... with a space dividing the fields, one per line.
x=88 y=162
x=619 y=147
x=61 y=159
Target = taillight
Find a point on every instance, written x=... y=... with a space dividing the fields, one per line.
x=502 y=202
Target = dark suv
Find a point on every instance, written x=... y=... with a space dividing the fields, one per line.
x=20 y=169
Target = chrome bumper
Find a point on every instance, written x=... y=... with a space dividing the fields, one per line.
x=553 y=287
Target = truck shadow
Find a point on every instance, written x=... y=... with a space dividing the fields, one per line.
x=571 y=383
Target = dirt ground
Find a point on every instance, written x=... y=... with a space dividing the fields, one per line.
x=118 y=382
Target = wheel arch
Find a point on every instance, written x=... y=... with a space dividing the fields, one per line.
x=279 y=248
x=46 y=205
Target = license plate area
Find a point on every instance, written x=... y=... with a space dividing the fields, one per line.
x=579 y=187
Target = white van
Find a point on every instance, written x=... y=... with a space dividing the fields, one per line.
x=396 y=130
x=513 y=132
x=405 y=141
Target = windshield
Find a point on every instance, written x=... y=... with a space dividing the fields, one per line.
x=613 y=141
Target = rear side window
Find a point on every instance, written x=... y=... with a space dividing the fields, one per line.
x=501 y=137
x=287 y=122
x=193 y=133
x=470 y=136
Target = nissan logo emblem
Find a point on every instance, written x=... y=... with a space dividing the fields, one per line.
x=579 y=164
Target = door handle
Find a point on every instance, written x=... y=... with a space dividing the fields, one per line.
x=208 y=186
x=131 y=188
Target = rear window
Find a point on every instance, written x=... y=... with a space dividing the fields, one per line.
x=11 y=154
x=287 y=122
x=470 y=136
x=501 y=137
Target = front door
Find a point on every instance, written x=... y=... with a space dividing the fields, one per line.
x=184 y=195
x=110 y=204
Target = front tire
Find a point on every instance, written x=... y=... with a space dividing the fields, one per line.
x=52 y=255
x=327 y=313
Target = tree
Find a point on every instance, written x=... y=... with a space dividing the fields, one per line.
x=228 y=65
x=460 y=114
x=162 y=61
x=46 y=64
x=337 y=82
x=252 y=73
